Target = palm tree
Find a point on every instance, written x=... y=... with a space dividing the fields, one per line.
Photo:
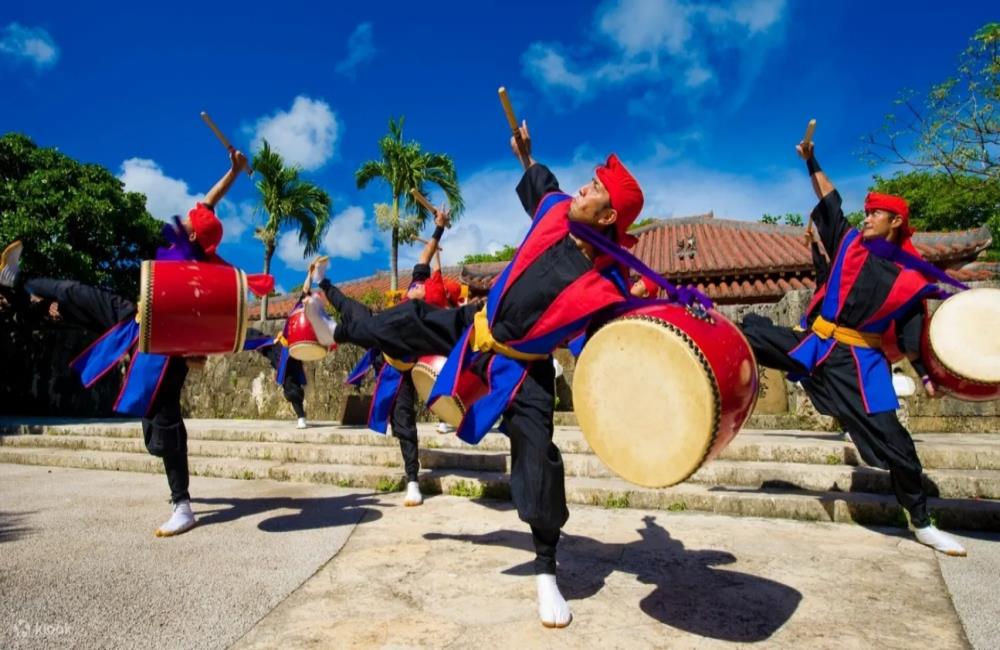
x=287 y=200
x=404 y=166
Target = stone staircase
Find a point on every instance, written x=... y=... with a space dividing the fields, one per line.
x=812 y=476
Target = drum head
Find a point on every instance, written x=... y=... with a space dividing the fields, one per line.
x=445 y=408
x=646 y=401
x=307 y=351
x=965 y=335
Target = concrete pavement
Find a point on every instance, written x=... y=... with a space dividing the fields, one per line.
x=299 y=565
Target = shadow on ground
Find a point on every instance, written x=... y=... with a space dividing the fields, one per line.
x=12 y=526
x=690 y=594
x=312 y=513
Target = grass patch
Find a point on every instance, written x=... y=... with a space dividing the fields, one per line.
x=386 y=484
x=615 y=500
x=469 y=489
x=677 y=506
x=247 y=475
x=344 y=482
x=833 y=459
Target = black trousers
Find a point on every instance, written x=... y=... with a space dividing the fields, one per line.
x=404 y=426
x=833 y=387
x=163 y=428
x=537 y=477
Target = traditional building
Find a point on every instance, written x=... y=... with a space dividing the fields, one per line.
x=732 y=261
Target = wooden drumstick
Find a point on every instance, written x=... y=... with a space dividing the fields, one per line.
x=514 y=128
x=222 y=138
x=810 y=129
x=422 y=200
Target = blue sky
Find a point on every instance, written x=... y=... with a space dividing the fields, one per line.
x=704 y=100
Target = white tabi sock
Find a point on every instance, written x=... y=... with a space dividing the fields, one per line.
x=301 y=424
x=939 y=541
x=182 y=520
x=413 y=496
x=552 y=607
x=323 y=326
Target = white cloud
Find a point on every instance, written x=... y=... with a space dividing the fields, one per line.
x=31 y=44
x=360 y=48
x=665 y=48
x=165 y=196
x=291 y=251
x=348 y=235
x=305 y=135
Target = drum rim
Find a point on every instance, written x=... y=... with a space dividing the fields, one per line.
x=243 y=311
x=930 y=347
x=144 y=313
x=713 y=384
x=309 y=344
x=420 y=365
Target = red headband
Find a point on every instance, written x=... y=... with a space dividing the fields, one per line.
x=207 y=228
x=625 y=194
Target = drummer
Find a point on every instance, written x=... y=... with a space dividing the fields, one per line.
x=843 y=357
x=97 y=309
x=395 y=399
x=555 y=284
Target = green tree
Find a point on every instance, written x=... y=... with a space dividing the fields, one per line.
x=75 y=219
x=956 y=128
x=788 y=219
x=287 y=200
x=505 y=254
x=405 y=166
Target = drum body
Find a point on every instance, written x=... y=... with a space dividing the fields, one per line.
x=449 y=410
x=301 y=338
x=961 y=346
x=662 y=390
x=191 y=308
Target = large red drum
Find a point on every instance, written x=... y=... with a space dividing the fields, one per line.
x=192 y=308
x=961 y=347
x=300 y=337
x=662 y=390
x=450 y=410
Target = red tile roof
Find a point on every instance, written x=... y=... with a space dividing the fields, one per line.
x=732 y=261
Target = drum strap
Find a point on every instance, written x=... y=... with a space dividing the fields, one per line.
x=825 y=329
x=402 y=366
x=483 y=341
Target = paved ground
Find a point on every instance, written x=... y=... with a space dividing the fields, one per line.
x=79 y=567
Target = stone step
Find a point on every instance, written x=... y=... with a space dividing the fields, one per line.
x=753 y=474
x=937 y=451
x=869 y=509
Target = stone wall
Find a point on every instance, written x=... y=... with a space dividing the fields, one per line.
x=37 y=382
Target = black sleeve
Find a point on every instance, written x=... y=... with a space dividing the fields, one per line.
x=536 y=183
x=830 y=222
x=820 y=264
x=909 y=331
x=421 y=272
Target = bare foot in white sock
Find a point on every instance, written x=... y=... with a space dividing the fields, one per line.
x=552 y=607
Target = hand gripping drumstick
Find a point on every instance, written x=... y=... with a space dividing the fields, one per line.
x=518 y=140
x=810 y=129
x=225 y=142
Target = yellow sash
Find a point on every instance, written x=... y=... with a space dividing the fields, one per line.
x=825 y=329
x=402 y=366
x=483 y=341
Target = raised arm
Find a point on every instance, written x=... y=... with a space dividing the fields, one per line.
x=237 y=162
x=831 y=225
x=441 y=220
x=537 y=180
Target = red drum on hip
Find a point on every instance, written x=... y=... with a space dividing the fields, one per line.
x=451 y=409
x=300 y=337
x=961 y=347
x=191 y=308
x=662 y=390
